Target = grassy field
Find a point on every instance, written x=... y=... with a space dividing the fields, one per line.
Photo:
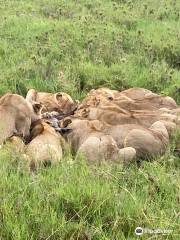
x=75 y=46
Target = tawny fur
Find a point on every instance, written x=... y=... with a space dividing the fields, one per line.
x=88 y=138
x=45 y=147
x=60 y=102
x=16 y=116
x=148 y=142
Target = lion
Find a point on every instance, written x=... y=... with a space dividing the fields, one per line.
x=115 y=116
x=128 y=100
x=87 y=135
x=16 y=116
x=148 y=142
x=60 y=102
x=104 y=148
x=88 y=138
x=45 y=146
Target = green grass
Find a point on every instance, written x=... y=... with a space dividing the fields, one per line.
x=76 y=201
x=118 y=44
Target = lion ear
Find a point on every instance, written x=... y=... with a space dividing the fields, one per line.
x=58 y=97
x=65 y=122
x=31 y=95
x=85 y=112
x=97 y=125
x=37 y=107
x=36 y=130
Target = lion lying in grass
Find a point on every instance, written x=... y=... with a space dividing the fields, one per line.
x=107 y=124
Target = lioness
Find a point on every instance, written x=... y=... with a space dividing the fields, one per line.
x=45 y=146
x=88 y=138
x=142 y=94
x=87 y=135
x=16 y=116
x=114 y=116
x=60 y=102
x=104 y=148
x=128 y=100
x=148 y=142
